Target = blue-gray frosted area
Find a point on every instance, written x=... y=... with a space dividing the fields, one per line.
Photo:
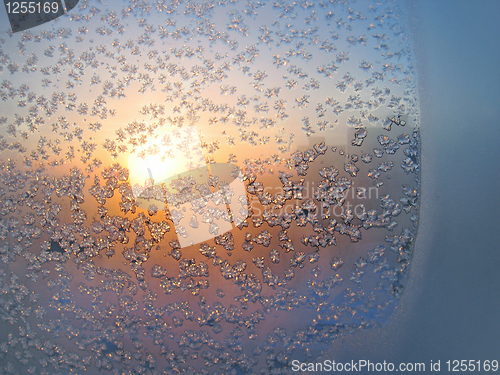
x=452 y=293
x=204 y=187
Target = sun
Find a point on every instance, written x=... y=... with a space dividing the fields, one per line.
x=167 y=154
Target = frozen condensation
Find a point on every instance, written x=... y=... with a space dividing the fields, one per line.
x=203 y=187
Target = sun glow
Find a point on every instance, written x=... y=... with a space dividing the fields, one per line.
x=166 y=155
